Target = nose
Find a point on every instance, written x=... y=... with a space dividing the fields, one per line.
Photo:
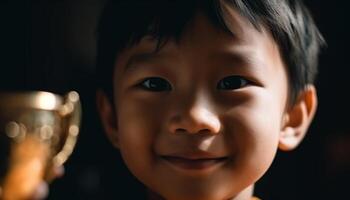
x=197 y=119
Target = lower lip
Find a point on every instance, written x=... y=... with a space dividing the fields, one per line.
x=194 y=164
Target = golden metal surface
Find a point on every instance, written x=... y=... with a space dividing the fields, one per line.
x=49 y=121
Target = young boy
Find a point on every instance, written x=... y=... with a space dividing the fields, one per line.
x=199 y=95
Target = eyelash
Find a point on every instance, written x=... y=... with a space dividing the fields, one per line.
x=235 y=82
x=147 y=84
x=157 y=84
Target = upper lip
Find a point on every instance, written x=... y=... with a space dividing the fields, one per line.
x=198 y=155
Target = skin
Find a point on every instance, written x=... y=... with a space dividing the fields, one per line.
x=197 y=138
x=28 y=161
x=24 y=180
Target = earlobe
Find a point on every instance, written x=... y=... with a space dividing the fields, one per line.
x=108 y=117
x=298 y=119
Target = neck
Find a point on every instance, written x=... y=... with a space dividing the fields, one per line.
x=246 y=194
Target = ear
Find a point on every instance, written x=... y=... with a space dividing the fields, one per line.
x=298 y=119
x=108 y=117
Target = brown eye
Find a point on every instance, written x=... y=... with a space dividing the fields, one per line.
x=232 y=83
x=155 y=84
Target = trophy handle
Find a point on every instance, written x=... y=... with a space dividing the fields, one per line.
x=71 y=110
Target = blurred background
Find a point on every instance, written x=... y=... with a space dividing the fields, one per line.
x=49 y=45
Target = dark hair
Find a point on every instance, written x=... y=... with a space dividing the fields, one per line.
x=125 y=22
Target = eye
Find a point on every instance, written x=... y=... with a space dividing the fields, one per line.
x=232 y=83
x=155 y=84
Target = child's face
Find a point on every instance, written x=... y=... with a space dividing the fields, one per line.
x=201 y=119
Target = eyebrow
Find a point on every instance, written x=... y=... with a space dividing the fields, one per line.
x=230 y=55
x=240 y=58
x=140 y=57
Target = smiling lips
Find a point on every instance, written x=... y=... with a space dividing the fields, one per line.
x=190 y=163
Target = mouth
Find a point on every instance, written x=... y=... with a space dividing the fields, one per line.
x=194 y=164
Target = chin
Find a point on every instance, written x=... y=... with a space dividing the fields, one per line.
x=205 y=195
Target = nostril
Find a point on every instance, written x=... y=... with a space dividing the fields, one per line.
x=189 y=131
x=196 y=121
x=180 y=130
x=204 y=131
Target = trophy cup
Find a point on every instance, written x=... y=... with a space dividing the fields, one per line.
x=38 y=131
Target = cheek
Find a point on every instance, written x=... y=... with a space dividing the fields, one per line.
x=254 y=129
x=138 y=119
x=138 y=127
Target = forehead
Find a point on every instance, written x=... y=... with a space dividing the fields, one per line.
x=201 y=31
x=204 y=39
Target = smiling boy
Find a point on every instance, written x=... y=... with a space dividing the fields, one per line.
x=199 y=95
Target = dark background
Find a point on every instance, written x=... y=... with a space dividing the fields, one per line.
x=49 y=45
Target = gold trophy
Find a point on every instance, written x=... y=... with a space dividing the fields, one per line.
x=38 y=132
